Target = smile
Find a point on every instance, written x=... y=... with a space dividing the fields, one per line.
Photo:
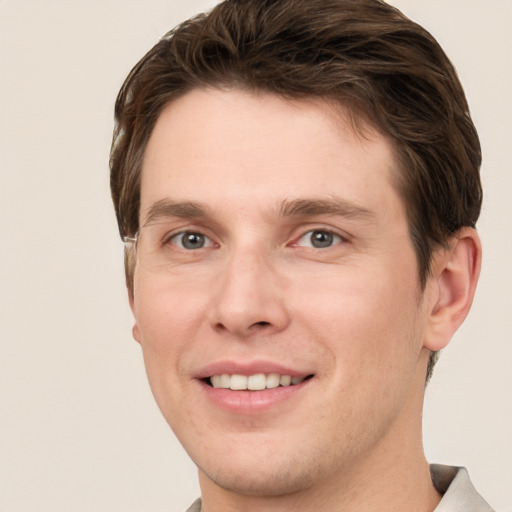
x=256 y=382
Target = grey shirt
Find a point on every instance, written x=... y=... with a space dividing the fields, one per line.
x=453 y=483
x=459 y=494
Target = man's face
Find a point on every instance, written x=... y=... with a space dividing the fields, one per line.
x=276 y=245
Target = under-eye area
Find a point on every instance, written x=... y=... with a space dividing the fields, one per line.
x=256 y=382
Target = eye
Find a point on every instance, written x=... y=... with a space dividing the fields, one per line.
x=191 y=240
x=319 y=239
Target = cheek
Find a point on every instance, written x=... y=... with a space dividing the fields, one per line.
x=164 y=313
x=168 y=323
x=369 y=318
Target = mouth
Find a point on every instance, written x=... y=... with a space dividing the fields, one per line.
x=255 y=382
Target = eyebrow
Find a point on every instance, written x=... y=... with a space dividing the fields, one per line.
x=168 y=208
x=331 y=206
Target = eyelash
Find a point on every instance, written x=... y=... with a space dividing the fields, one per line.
x=176 y=236
x=332 y=237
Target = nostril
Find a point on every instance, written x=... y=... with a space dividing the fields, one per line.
x=262 y=324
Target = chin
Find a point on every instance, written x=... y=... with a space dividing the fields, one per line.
x=263 y=481
x=266 y=469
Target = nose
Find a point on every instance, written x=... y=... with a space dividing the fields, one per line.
x=250 y=296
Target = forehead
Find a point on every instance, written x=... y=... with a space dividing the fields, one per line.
x=239 y=148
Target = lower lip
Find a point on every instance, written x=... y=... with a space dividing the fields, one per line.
x=251 y=402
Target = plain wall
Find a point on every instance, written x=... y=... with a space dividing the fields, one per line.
x=78 y=427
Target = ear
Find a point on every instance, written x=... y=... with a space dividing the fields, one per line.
x=135 y=329
x=452 y=287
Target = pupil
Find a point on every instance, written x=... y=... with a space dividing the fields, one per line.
x=193 y=241
x=321 y=239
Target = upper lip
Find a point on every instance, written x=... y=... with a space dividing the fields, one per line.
x=248 y=368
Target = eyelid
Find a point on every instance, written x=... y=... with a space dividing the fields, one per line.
x=305 y=241
x=344 y=237
x=173 y=237
x=165 y=230
x=172 y=233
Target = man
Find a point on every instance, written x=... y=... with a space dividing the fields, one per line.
x=297 y=183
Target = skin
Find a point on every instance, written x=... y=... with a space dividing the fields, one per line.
x=351 y=314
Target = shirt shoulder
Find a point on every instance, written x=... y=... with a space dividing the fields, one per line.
x=459 y=494
x=195 y=507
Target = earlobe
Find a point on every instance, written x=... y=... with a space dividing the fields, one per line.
x=135 y=329
x=136 y=332
x=452 y=285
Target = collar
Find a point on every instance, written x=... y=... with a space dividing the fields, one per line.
x=459 y=494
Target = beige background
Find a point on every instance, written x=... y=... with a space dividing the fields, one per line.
x=78 y=428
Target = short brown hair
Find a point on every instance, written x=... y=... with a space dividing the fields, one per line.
x=364 y=54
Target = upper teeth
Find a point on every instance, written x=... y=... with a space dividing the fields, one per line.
x=255 y=382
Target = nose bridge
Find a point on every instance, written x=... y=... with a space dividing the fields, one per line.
x=249 y=295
